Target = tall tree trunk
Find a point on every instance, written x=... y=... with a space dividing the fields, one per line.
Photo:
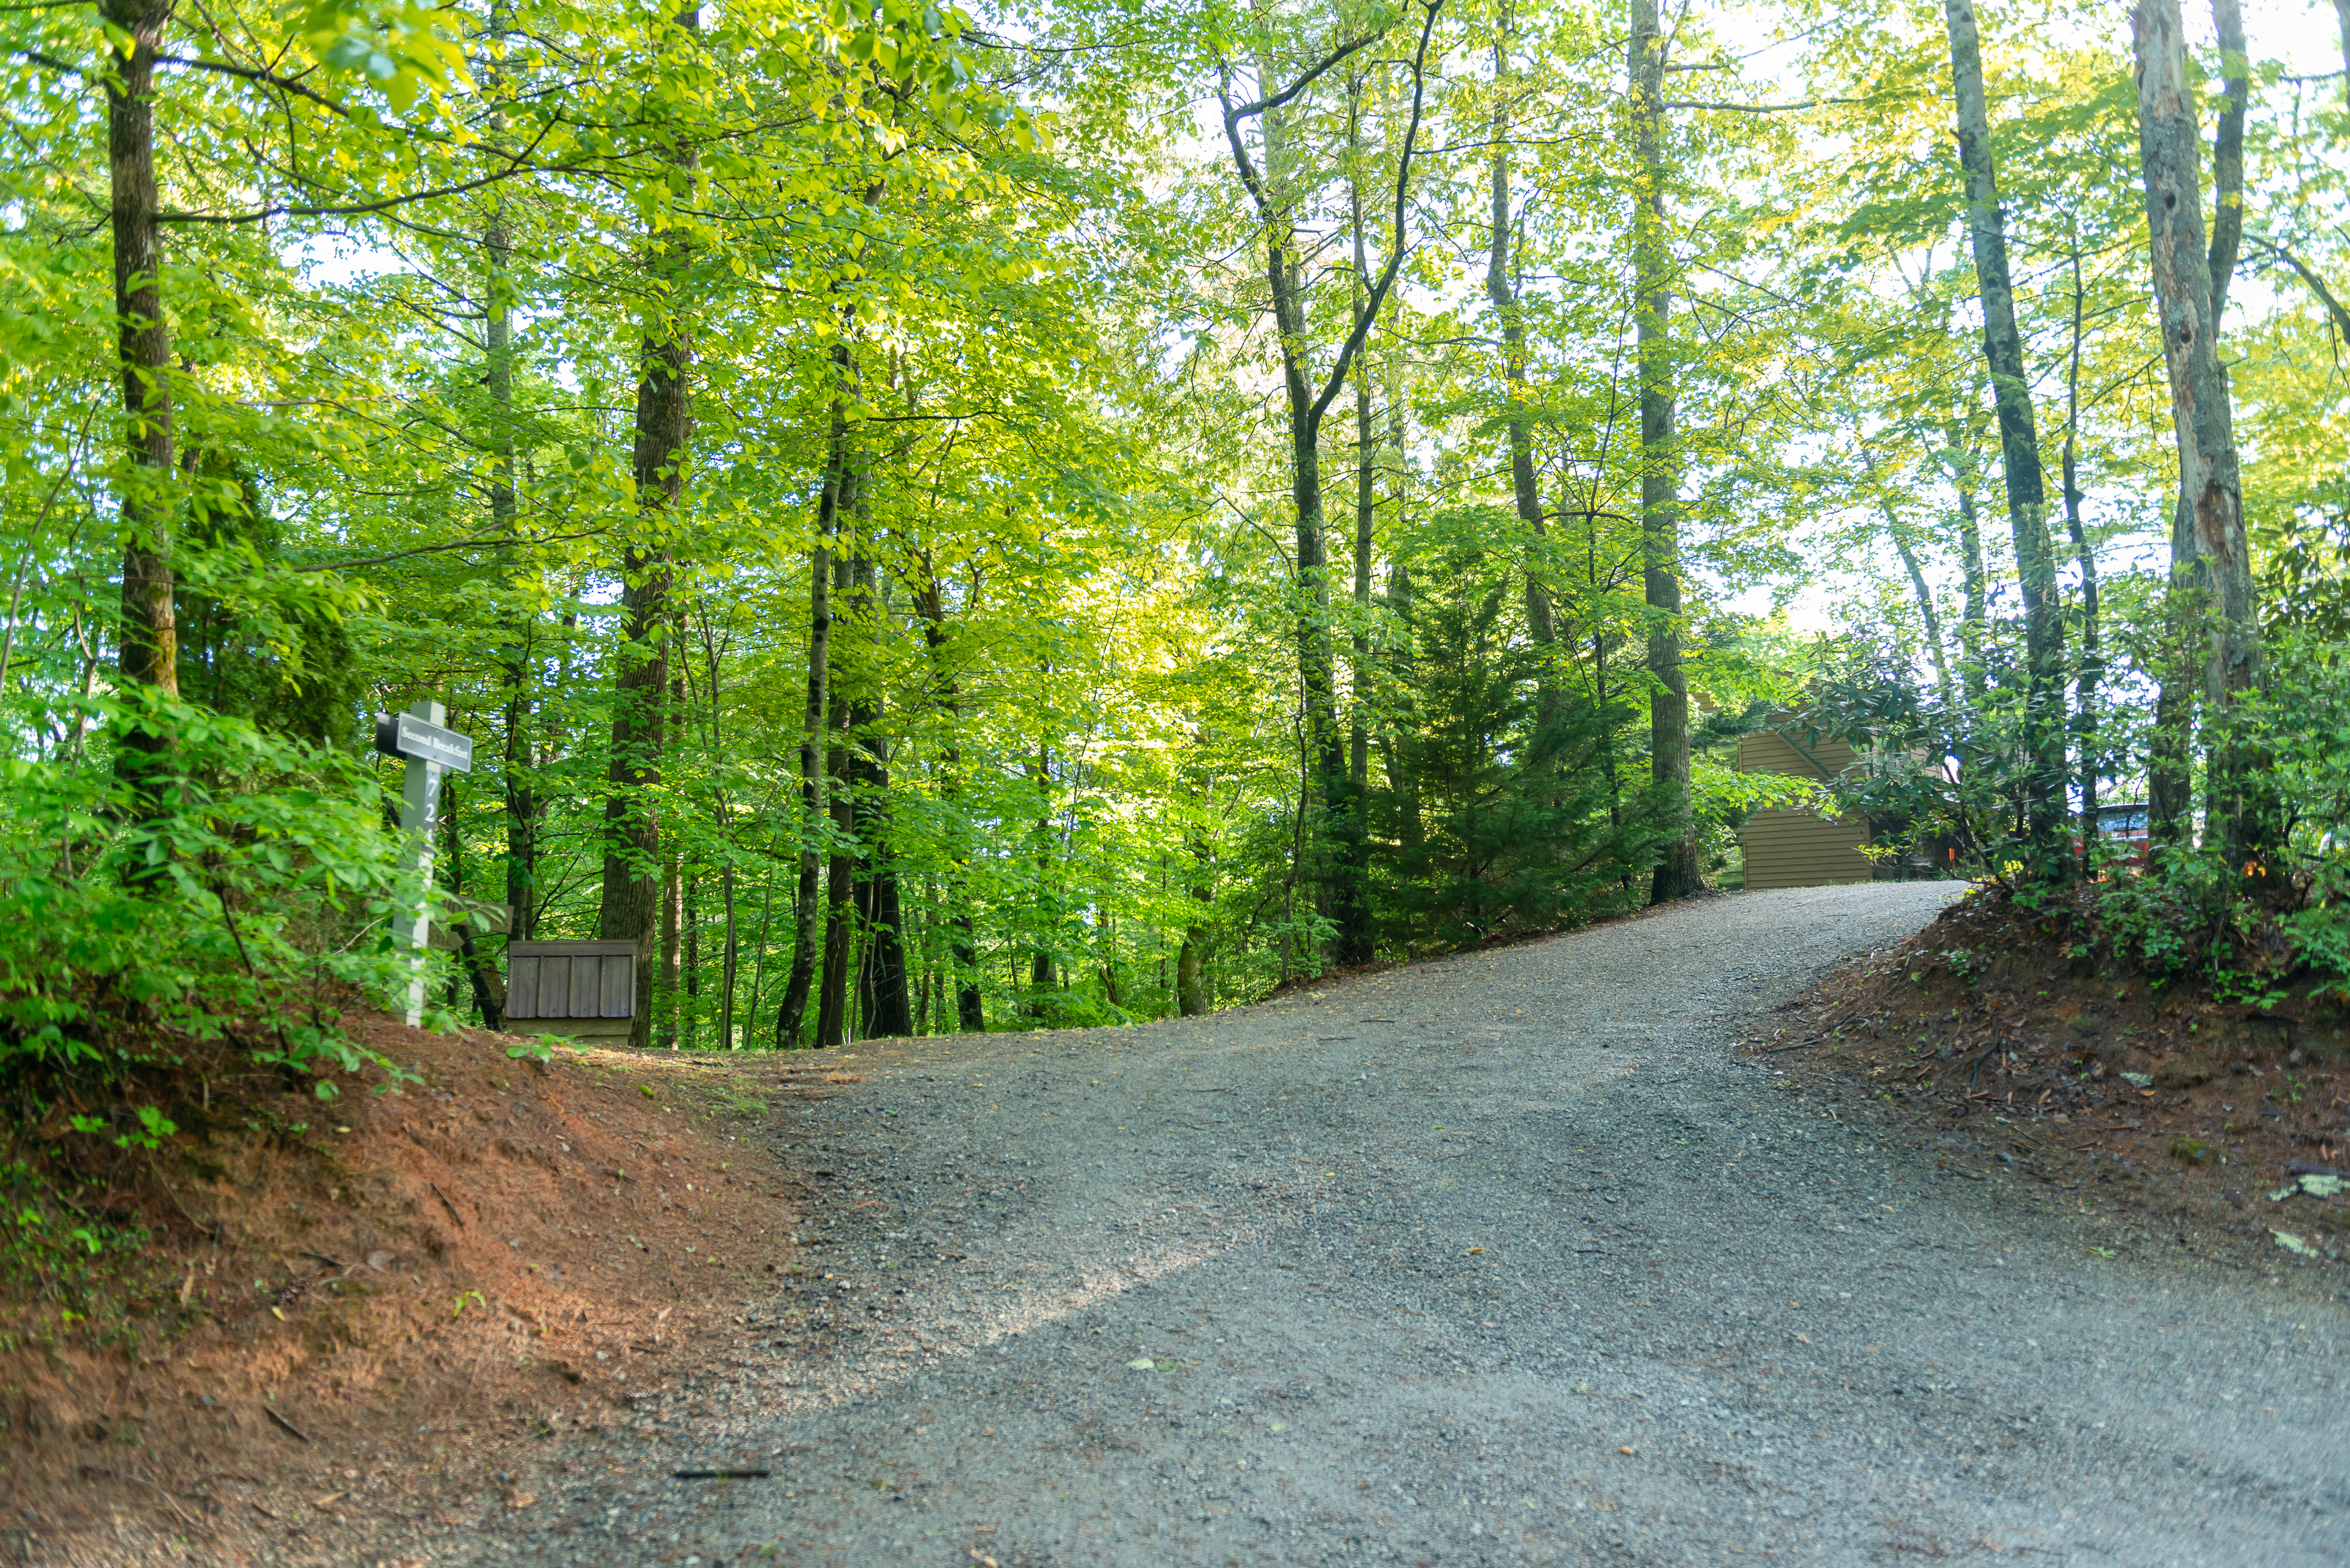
x=516 y=654
x=883 y=1001
x=2170 y=765
x=689 y=965
x=2045 y=850
x=2201 y=413
x=1678 y=871
x=1974 y=578
x=962 y=947
x=729 y=958
x=1324 y=747
x=815 y=724
x=632 y=851
x=2088 y=719
x=671 y=928
x=1041 y=966
x=840 y=926
x=759 y=947
x=149 y=655
x=1349 y=815
x=1190 y=999
x=1502 y=290
x=851 y=575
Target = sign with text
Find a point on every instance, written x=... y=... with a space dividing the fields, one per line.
x=420 y=740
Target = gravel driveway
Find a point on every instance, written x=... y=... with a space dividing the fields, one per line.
x=1501 y=1259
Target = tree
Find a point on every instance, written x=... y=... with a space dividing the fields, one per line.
x=2186 y=286
x=1678 y=873
x=1272 y=189
x=150 y=639
x=2019 y=455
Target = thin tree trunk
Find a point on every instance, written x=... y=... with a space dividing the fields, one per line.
x=2046 y=853
x=148 y=654
x=2209 y=484
x=962 y=950
x=1974 y=612
x=882 y=999
x=516 y=656
x=1927 y=613
x=1500 y=288
x=759 y=949
x=840 y=930
x=2091 y=672
x=1191 y=1000
x=1678 y=871
x=730 y=958
x=671 y=928
x=1048 y=914
x=808 y=920
x=1349 y=818
x=1324 y=744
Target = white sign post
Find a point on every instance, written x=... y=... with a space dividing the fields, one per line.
x=417 y=736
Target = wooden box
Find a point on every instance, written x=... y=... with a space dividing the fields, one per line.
x=585 y=990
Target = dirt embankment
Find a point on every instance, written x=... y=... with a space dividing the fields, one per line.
x=347 y=1305
x=2181 y=1113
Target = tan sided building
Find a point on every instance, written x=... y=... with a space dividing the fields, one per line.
x=1795 y=848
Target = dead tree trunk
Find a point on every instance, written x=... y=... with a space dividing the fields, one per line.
x=2208 y=481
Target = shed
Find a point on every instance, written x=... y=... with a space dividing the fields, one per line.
x=1800 y=848
x=586 y=990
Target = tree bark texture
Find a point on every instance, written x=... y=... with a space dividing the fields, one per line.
x=2046 y=850
x=2170 y=765
x=1678 y=872
x=633 y=859
x=149 y=652
x=2208 y=481
x=633 y=863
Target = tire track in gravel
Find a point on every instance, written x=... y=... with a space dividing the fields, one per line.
x=1499 y=1259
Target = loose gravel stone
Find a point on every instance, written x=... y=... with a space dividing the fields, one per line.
x=1501 y=1259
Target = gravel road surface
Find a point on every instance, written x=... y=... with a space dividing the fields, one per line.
x=1506 y=1258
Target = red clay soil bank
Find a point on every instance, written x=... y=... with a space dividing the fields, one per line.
x=361 y=1300
x=2161 y=1107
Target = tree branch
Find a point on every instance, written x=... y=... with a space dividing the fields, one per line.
x=2335 y=309
x=252 y=74
x=452 y=544
x=1378 y=293
x=1301 y=83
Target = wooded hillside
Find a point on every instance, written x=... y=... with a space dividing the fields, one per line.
x=941 y=521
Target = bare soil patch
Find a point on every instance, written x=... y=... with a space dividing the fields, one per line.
x=349 y=1307
x=1993 y=1036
